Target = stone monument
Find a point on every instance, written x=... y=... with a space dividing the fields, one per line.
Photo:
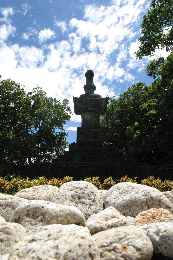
x=90 y=106
x=90 y=143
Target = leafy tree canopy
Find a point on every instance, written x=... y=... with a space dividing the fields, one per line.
x=140 y=121
x=157 y=28
x=31 y=124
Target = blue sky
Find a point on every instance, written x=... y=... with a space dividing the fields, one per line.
x=52 y=43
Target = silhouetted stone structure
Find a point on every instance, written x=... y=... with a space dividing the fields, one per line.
x=90 y=145
x=90 y=106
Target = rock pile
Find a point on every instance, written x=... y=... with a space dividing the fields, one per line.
x=77 y=221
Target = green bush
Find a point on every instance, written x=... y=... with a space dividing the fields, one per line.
x=11 y=184
x=158 y=184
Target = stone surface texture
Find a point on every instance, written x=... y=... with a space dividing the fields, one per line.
x=137 y=223
x=124 y=243
x=39 y=212
x=103 y=194
x=161 y=236
x=2 y=220
x=40 y=192
x=105 y=219
x=5 y=257
x=8 y=204
x=81 y=194
x=130 y=198
x=10 y=234
x=152 y=216
x=56 y=241
x=169 y=195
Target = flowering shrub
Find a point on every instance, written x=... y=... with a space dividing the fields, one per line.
x=108 y=183
x=3 y=185
x=95 y=181
x=12 y=184
x=127 y=179
x=158 y=184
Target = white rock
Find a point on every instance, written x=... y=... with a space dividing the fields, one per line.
x=169 y=195
x=161 y=236
x=127 y=242
x=56 y=242
x=8 y=204
x=39 y=212
x=81 y=194
x=103 y=194
x=2 y=220
x=10 y=234
x=129 y=220
x=131 y=198
x=40 y=192
x=152 y=216
x=105 y=219
x=5 y=257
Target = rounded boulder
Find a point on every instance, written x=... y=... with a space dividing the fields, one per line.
x=105 y=219
x=56 y=242
x=10 y=234
x=161 y=236
x=152 y=216
x=39 y=213
x=8 y=204
x=127 y=242
x=130 y=198
x=40 y=192
x=81 y=194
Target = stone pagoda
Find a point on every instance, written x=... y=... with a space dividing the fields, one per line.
x=90 y=144
x=90 y=106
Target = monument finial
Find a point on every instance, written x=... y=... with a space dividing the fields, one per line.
x=89 y=77
x=89 y=87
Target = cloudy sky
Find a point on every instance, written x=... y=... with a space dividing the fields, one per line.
x=52 y=43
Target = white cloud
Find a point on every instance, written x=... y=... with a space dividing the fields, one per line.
x=71 y=128
x=160 y=53
x=59 y=67
x=7 y=64
x=106 y=27
x=30 y=32
x=26 y=7
x=133 y=48
x=6 y=12
x=62 y=25
x=45 y=35
x=28 y=57
x=6 y=31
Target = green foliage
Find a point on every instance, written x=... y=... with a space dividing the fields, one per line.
x=154 y=67
x=122 y=116
x=158 y=184
x=127 y=179
x=140 y=121
x=95 y=181
x=11 y=185
x=108 y=183
x=32 y=124
x=157 y=28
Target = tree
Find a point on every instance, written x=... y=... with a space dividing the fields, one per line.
x=157 y=28
x=157 y=33
x=32 y=124
x=140 y=121
x=123 y=118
